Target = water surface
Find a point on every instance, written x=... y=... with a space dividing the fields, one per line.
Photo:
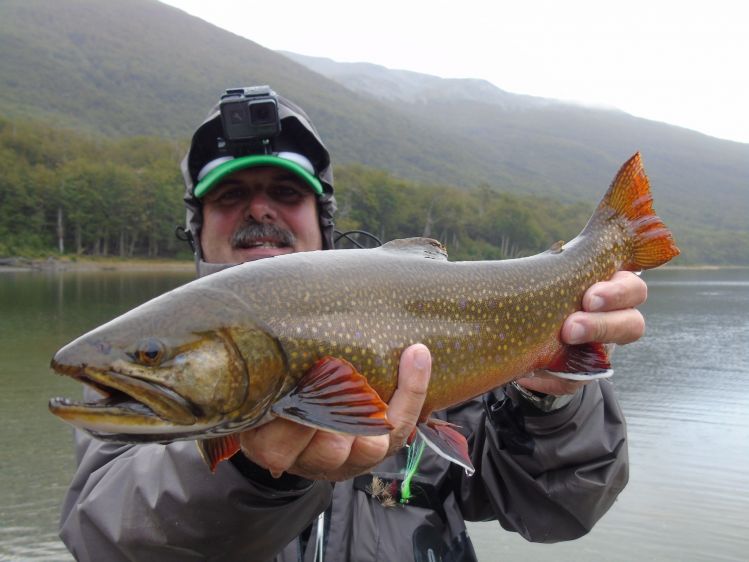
x=684 y=389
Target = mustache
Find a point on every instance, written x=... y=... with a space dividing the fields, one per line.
x=251 y=232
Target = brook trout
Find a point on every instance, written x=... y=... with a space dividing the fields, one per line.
x=316 y=337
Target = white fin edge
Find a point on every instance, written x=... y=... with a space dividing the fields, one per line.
x=582 y=376
x=468 y=469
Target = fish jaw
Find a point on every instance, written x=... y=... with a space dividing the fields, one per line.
x=123 y=405
x=200 y=387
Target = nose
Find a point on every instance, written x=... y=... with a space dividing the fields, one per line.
x=260 y=208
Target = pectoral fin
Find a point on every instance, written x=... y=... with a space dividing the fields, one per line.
x=583 y=362
x=332 y=395
x=217 y=449
x=447 y=442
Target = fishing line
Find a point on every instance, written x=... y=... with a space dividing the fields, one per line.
x=415 y=451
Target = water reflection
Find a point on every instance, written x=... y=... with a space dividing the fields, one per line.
x=40 y=312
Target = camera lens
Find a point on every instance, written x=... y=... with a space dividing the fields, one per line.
x=236 y=116
x=249 y=121
x=262 y=112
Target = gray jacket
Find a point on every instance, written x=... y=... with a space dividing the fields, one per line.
x=549 y=477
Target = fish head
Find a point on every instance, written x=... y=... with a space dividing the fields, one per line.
x=176 y=380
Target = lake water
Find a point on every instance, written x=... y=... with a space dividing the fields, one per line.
x=684 y=388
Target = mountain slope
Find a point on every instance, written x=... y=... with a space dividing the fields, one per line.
x=383 y=83
x=563 y=149
x=140 y=67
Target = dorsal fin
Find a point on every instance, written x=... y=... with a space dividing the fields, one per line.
x=557 y=247
x=419 y=247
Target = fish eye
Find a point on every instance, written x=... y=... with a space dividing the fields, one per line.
x=149 y=351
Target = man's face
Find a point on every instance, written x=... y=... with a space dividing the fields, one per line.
x=258 y=213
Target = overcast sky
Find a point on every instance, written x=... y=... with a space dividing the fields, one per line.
x=679 y=61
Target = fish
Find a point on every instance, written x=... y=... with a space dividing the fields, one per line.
x=316 y=337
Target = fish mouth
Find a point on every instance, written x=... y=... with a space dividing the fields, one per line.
x=128 y=404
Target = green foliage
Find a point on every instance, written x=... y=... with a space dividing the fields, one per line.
x=105 y=198
x=476 y=224
x=124 y=198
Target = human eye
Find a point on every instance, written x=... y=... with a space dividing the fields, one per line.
x=227 y=195
x=287 y=193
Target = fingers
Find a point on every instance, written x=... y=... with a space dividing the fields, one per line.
x=623 y=290
x=407 y=402
x=608 y=314
x=276 y=445
x=619 y=326
x=285 y=446
x=326 y=453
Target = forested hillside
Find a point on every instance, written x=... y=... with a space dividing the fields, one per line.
x=61 y=190
x=64 y=190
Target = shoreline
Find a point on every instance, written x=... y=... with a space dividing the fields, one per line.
x=88 y=263
x=55 y=265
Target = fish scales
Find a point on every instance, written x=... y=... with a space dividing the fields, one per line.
x=317 y=336
x=477 y=320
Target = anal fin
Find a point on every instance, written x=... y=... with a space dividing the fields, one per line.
x=587 y=361
x=447 y=442
x=334 y=396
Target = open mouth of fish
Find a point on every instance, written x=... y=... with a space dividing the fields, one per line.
x=126 y=404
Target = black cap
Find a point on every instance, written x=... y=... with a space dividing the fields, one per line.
x=298 y=135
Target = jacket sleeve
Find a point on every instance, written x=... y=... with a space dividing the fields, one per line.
x=160 y=502
x=549 y=477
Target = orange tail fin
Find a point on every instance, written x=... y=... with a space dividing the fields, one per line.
x=629 y=197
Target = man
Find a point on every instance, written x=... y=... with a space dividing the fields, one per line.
x=550 y=455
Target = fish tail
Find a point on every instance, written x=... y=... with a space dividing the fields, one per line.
x=629 y=197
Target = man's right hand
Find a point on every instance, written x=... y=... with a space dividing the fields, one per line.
x=285 y=446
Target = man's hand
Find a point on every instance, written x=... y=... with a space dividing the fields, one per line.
x=285 y=446
x=608 y=316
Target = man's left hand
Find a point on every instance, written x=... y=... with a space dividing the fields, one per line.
x=608 y=316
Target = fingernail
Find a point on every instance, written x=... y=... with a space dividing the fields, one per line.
x=421 y=359
x=595 y=303
x=576 y=333
x=276 y=473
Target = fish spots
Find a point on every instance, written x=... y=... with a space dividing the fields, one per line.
x=474 y=317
